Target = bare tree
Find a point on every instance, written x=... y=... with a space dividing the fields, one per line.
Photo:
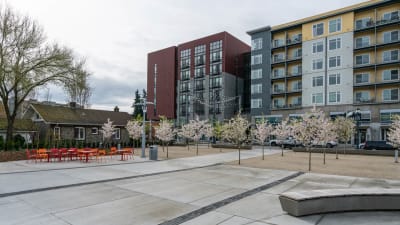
x=78 y=88
x=28 y=62
x=345 y=130
x=235 y=131
x=165 y=132
x=262 y=131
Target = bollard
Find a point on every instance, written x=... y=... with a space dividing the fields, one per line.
x=396 y=156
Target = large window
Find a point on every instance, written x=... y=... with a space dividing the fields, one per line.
x=279 y=102
x=216 y=82
x=256 y=44
x=278 y=42
x=388 y=75
x=335 y=43
x=390 y=36
x=362 y=59
x=317 y=98
x=79 y=133
x=278 y=88
x=256 y=88
x=296 y=86
x=318 y=47
x=318 y=29
x=278 y=72
x=256 y=59
x=317 y=64
x=199 y=60
x=390 y=16
x=335 y=25
x=216 y=69
x=362 y=42
x=334 y=97
x=334 y=79
x=215 y=56
x=256 y=74
x=200 y=71
x=279 y=57
x=94 y=130
x=317 y=81
x=391 y=55
x=334 y=61
x=362 y=78
x=256 y=103
x=199 y=85
x=391 y=94
x=362 y=96
x=363 y=23
x=200 y=50
x=185 y=75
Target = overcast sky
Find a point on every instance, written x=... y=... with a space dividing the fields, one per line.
x=116 y=35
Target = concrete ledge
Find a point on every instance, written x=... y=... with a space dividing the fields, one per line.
x=339 y=200
x=350 y=151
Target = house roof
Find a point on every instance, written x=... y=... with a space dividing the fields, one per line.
x=19 y=125
x=56 y=114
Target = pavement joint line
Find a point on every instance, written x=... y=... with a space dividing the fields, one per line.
x=3 y=195
x=79 y=167
x=203 y=210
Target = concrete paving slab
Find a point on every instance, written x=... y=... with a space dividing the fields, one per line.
x=326 y=178
x=43 y=220
x=98 y=173
x=311 y=185
x=236 y=181
x=18 y=212
x=75 y=197
x=217 y=197
x=210 y=218
x=282 y=187
x=291 y=220
x=256 y=207
x=370 y=183
x=141 y=209
x=364 y=218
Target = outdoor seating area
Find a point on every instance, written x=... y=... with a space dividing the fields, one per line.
x=85 y=155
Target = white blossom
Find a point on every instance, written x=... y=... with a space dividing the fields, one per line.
x=394 y=131
x=134 y=129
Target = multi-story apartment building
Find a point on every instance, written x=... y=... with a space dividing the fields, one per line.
x=204 y=78
x=342 y=60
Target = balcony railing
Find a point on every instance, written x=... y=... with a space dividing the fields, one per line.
x=292 y=74
x=294 y=57
x=277 y=76
x=363 y=45
x=278 y=91
x=366 y=25
x=277 y=60
x=394 y=19
x=374 y=101
x=289 y=106
x=293 y=41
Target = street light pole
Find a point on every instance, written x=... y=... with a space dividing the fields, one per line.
x=144 y=108
x=357 y=117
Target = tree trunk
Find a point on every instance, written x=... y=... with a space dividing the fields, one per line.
x=197 y=148
x=282 y=150
x=324 y=155
x=239 y=154
x=345 y=148
x=309 y=159
x=167 y=151
x=337 y=157
x=162 y=143
x=10 y=131
x=263 y=151
x=187 y=142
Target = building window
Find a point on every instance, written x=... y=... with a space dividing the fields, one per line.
x=185 y=63
x=391 y=55
x=362 y=96
x=362 y=42
x=318 y=29
x=363 y=23
x=256 y=59
x=95 y=130
x=296 y=101
x=390 y=16
x=278 y=72
x=362 y=78
x=199 y=60
x=57 y=133
x=199 y=85
x=215 y=56
x=199 y=72
x=256 y=88
x=215 y=69
x=318 y=81
x=216 y=82
x=278 y=88
x=335 y=43
x=362 y=59
x=391 y=94
x=79 y=133
x=390 y=75
x=296 y=86
x=279 y=57
x=335 y=25
x=334 y=79
x=185 y=75
x=278 y=43
x=390 y=36
x=317 y=64
x=318 y=47
x=256 y=44
x=296 y=70
x=256 y=103
x=334 y=97
x=200 y=50
x=334 y=61
x=185 y=53
x=117 y=133
x=256 y=74
x=317 y=98
x=279 y=103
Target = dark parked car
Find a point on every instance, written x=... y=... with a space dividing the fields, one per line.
x=378 y=145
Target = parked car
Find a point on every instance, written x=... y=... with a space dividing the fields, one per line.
x=378 y=145
x=290 y=143
x=329 y=144
x=275 y=142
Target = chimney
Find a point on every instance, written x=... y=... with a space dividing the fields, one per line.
x=116 y=109
x=72 y=105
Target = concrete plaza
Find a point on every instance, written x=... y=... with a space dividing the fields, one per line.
x=168 y=192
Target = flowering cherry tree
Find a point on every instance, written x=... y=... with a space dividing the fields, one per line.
x=328 y=132
x=186 y=132
x=108 y=129
x=308 y=130
x=262 y=131
x=134 y=129
x=345 y=130
x=283 y=130
x=235 y=131
x=217 y=131
x=164 y=132
x=209 y=132
x=196 y=129
x=394 y=131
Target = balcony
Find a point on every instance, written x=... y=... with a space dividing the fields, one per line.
x=278 y=91
x=295 y=90
x=372 y=101
x=363 y=45
x=295 y=57
x=294 y=74
x=363 y=65
x=277 y=76
x=289 y=106
x=393 y=20
x=364 y=26
x=278 y=44
x=278 y=60
x=294 y=41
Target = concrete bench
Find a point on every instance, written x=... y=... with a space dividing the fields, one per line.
x=339 y=200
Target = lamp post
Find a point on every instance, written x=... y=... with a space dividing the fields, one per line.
x=144 y=108
x=357 y=118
